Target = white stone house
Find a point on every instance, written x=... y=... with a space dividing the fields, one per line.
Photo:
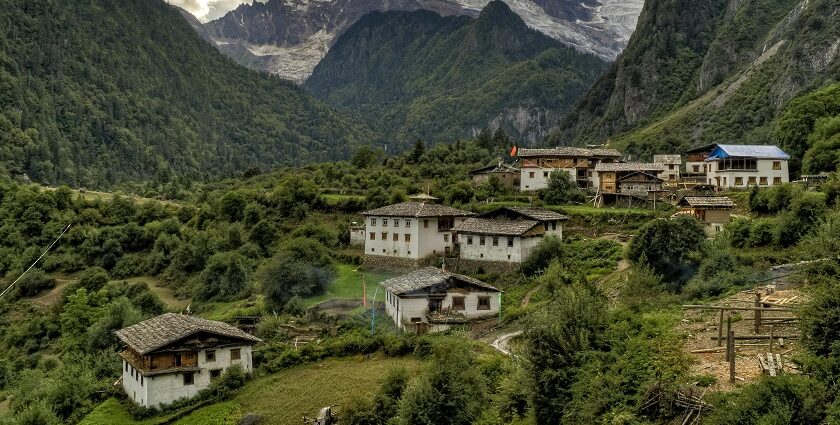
x=412 y=230
x=432 y=300
x=174 y=356
x=537 y=165
x=551 y=221
x=712 y=211
x=739 y=166
x=673 y=164
x=508 y=241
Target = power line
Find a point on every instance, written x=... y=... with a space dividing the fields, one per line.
x=63 y=231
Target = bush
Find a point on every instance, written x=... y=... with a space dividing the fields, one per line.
x=222 y=279
x=666 y=244
x=34 y=282
x=549 y=249
x=781 y=400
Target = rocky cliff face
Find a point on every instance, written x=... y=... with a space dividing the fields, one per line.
x=289 y=37
x=418 y=75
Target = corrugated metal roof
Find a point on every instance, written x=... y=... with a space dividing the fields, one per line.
x=428 y=277
x=748 y=151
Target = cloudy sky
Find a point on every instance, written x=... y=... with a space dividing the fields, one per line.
x=207 y=10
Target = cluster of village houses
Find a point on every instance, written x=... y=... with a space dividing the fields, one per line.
x=173 y=356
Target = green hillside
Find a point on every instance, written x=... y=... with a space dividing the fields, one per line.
x=708 y=71
x=103 y=91
x=416 y=75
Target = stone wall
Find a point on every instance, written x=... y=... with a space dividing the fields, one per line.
x=461 y=265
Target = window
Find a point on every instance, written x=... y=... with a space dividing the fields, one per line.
x=126 y=365
x=458 y=303
x=188 y=378
x=210 y=355
x=372 y=236
x=469 y=240
x=373 y=222
x=531 y=174
x=545 y=174
x=426 y=223
x=407 y=237
x=751 y=181
x=510 y=241
x=483 y=303
x=495 y=241
x=235 y=353
x=696 y=168
x=396 y=237
x=553 y=225
x=141 y=380
x=396 y=222
x=739 y=181
x=545 y=226
x=446 y=237
x=762 y=181
x=670 y=166
x=384 y=222
x=215 y=373
x=481 y=240
x=384 y=236
x=777 y=165
x=416 y=320
x=777 y=181
x=408 y=223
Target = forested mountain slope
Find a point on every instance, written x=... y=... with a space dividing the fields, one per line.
x=417 y=75
x=102 y=91
x=710 y=70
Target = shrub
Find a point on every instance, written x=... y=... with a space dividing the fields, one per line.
x=33 y=282
x=666 y=244
x=541 y=256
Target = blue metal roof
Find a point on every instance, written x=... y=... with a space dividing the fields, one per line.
x=747 y=151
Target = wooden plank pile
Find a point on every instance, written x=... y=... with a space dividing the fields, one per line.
x=771 y=364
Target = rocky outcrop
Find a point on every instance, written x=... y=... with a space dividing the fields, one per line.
x=289 y=37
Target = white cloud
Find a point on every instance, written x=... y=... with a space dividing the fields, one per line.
x=207 y=10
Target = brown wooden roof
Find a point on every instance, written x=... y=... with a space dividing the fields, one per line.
x=157 y=332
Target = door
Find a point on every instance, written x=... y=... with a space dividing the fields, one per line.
x=177 y=360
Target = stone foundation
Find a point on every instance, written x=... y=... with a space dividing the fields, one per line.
x=392 y=264
x=461 y=265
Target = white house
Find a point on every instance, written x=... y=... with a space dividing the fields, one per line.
x=412 y=230
x=537 y=165
x=672 y=164
x=739 y=166
x=432 y=300
x=174 y=356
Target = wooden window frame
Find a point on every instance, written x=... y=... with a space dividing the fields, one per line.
x=458 y=303
x=483 y=303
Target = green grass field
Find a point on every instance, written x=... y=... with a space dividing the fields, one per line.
x=348 y=285
x=282 y=398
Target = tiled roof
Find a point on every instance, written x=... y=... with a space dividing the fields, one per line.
x=667 y=159
x=567 y=151
x=498 y=168
x=427 y=277
x=652 y=176
x=489 y=226
x=418 y=209
x=157 y=332
x=537 y=213
x=629 y=166
x=749 y=151
x=423 y=197
x=708 y=201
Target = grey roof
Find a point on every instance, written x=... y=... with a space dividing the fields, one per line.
x=754 y=151
x=418 y=209
x=629 y=166
x=498 y=168
x=567 y=151
x=536 y=213
x=667 y=159
x=428 y=277
x=152 y=334
x=423 y=197
x=490 y=226
x=652 y=176
x=707 y=201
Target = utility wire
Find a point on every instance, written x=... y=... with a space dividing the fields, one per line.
x=63 y=231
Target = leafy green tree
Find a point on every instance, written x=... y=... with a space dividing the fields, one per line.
x=418 y=151
x=548 y=250
x=557 y=339
x=364 y=157
x=804 y=213
x=224 y=278
x=561 y=189
x=284 y=277
x=120 y=313
x=33 y=282
x=781 y=400
x=264 y=234
x=450 y=391
x=666 y=244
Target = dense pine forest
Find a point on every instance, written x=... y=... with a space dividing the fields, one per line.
x=100 y=92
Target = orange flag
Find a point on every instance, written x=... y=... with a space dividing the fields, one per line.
x=513 y=151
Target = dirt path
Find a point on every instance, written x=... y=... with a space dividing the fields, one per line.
x=51 y=296
x=502 y=343
x=527 y=298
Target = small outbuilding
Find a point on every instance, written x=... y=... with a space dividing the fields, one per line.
x=712 y=211
x=432 y=300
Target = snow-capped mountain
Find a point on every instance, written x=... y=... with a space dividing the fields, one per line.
x=290 y=37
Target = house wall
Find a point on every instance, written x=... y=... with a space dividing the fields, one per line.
x=540 y=178
x=717 y=216
x=487 y=252
x=402 y=309
x=764 y=168
x=163 y=389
